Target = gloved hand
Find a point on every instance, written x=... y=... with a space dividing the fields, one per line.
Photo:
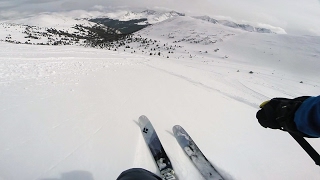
x=278 y=113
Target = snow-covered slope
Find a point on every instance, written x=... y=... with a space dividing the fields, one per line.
x=52 y=20
x=245 y=27
x=55 y=29
x=71 y=112
x=36 y=29
x=284 y=55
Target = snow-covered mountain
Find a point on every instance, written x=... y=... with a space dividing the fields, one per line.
x=207 y=18
x=63 y=28
x=152 y=16
x=245 y=27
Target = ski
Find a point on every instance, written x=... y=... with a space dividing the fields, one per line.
x=159 y=155
x=194 y=153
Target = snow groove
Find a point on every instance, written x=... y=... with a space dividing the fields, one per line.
x=200 y=84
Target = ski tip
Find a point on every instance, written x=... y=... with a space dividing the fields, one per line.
x=143 y=120
x=176 y=128
x=143 y=117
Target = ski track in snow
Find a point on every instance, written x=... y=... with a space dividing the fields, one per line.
x=197 y=83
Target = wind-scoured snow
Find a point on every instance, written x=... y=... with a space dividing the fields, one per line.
x=245 y=27
x=71 y=112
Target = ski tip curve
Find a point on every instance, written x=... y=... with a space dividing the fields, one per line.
x=143 y=117
x=176 y=128
x=143 y=121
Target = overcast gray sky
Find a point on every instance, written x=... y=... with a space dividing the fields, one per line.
x=296 y=17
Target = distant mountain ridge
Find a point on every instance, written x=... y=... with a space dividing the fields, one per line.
x=66 y=29
x=147 y=17
x=128 y=22
x=151 y=16
x=131 y=21
x=231 y=24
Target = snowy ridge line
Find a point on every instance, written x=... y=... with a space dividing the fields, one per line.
x=244 y=27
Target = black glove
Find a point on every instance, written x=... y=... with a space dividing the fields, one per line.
x=278 y=113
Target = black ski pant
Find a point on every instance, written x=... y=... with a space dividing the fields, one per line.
x=138 y=174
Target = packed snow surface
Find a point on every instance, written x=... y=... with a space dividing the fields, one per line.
x=71 y=112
